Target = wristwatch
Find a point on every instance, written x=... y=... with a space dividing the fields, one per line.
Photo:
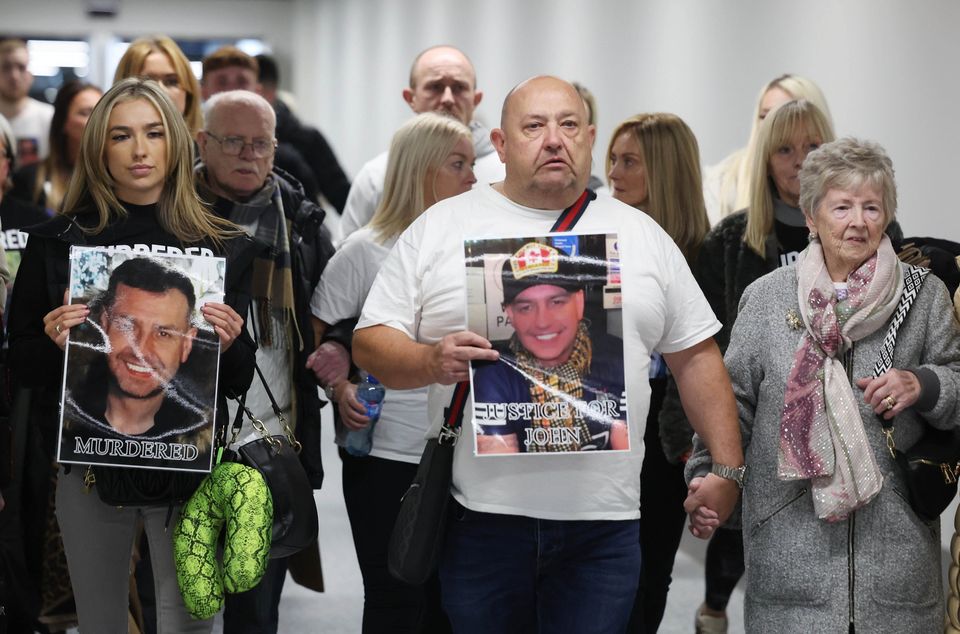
x=737 y=474
x=330 y=392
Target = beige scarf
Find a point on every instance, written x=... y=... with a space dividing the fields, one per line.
x=822 y=437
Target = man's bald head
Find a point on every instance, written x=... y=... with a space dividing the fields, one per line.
x=442 y=79
x=221 y=104
x=544 y=140
x=535 y=83
x=429 y=56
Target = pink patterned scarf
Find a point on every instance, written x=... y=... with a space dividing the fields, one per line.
x=822 y=437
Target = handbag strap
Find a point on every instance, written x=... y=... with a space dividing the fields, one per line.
x=912 y=282
x=256 y=422
x=453 y=414
x=572 y=214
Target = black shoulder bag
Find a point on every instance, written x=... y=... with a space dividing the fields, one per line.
x=930 y=466
x=295 y=523
x=417 y=535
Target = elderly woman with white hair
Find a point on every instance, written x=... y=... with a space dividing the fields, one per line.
x=831 y=542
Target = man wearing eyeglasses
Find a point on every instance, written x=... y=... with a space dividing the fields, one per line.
x=287 y=253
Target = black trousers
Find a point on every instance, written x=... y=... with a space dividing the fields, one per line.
x=372 y=488
x=662 y=519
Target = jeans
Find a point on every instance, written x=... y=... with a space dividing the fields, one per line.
x=507 y=573
x=257 y=611
x=372 y=488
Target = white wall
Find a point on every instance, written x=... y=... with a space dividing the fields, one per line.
x=885 y=65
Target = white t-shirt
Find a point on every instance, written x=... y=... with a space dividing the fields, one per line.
x=346 y=280
x=421 y=291
x=32 y=131
x=367 y=187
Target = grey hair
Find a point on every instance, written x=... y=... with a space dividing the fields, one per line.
x=845 y=164
x=238 y=98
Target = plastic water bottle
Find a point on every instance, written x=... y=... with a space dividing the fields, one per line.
x=370 y=393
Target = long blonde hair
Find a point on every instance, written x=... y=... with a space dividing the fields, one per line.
x=417 y=151
x=778 y=128
x=735 y=181
x=671 y=158
x=179 y=210
x=131 y=65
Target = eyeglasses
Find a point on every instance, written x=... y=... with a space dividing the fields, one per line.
x=233 y=145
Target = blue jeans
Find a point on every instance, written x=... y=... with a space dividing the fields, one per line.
x=507 y=573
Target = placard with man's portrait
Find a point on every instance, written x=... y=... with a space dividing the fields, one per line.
x=550 y=305
x=140 y=383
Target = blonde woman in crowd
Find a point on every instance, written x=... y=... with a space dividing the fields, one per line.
x=768 y=234
x=653 y=164
x=431 y=158
x=160 y=59
x=133 y=188
x=726 y=186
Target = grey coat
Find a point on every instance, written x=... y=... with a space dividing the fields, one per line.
x=880 y=568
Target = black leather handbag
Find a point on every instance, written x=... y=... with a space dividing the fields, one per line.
x=931 y=465
x=295 y=523
x=418 y=532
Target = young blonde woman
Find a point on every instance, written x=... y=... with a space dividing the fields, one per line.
x=726 y=185
x=653 y=164
x=132 y=188
x=431 y=158
x=160 y=59
x=746 y=245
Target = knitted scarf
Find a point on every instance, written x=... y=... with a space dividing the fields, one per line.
x=559 y=383
x=272 y=284
x=822 y=437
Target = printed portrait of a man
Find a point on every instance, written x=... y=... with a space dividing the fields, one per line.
x=138 y=388
x=558 y=385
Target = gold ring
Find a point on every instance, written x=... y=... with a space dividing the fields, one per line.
x=890 y=402
x=58 y=328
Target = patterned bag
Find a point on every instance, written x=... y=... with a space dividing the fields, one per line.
x=930 y=466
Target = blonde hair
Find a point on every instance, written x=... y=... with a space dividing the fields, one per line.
x=131 y=65
x=179 y=210
x=417 y=151
x=671 y=158
x=778 y=128
x=735 y=181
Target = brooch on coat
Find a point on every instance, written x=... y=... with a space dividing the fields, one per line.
x=793 y=320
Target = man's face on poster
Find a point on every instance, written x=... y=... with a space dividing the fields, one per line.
x=546 y=319
x=150 y=336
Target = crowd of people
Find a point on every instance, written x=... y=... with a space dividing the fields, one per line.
x=677 y=346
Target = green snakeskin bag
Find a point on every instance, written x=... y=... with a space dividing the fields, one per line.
x=233 y=500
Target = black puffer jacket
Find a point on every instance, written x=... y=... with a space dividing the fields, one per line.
x=310 y=250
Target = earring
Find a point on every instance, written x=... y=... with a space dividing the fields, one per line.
x=811 y=236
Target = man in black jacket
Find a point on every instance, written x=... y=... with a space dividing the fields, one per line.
x=287 y=253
